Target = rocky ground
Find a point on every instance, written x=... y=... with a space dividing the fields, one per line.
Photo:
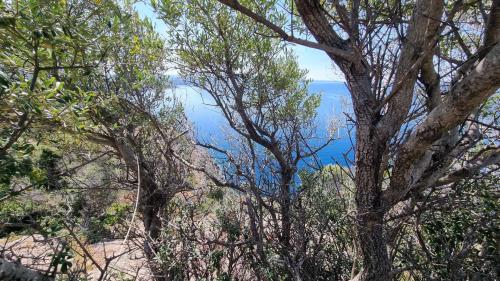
x=120 y=261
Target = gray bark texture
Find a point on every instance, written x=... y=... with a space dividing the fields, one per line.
x=423 y=159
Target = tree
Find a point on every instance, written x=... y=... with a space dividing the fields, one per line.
x=44 y=46
x=87 y=76
x=131 y=112
x=417 y=72
x=263 y=95
x=96 y=72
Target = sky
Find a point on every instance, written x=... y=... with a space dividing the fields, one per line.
x=316 y=62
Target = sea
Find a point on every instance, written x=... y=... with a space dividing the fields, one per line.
x=332 y=119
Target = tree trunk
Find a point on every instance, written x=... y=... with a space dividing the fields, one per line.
x=153 y=203
x=370 y=210
x=286 y=223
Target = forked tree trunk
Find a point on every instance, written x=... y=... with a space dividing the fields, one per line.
x=379 y=118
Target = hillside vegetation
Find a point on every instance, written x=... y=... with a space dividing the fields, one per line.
x=103 y=177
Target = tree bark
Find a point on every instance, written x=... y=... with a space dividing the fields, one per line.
x=369 y=208
x=152 y=201
x=379 y=119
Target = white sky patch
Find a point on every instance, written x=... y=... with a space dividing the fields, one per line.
x=317 y=63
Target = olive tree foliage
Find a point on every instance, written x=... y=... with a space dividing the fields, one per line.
x=210 y=236
x=418 y=71
x=257 y=85
x=132 y=112
x=456 y=241
x=91 y=71
x=44 y=44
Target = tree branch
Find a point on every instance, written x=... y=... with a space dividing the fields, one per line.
x=420 y=41
x=464 y=97
x=470 y=169
x=349 y=56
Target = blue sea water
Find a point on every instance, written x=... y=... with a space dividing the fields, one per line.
x=210 y=126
